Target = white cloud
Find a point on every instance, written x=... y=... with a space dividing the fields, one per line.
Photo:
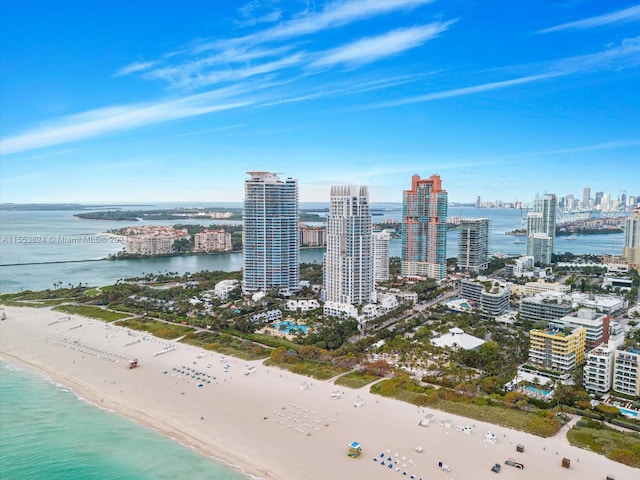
x=112 y=119
x=626 y=15
x=458 y=92
x=367 y=50
x=627 y=53
x=134 y=68
x=334 y=15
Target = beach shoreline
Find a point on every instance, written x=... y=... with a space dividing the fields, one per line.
x=269 y=423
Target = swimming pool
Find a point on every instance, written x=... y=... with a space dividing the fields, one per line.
x=628 y=413
x=289 y=327
x=531 y=388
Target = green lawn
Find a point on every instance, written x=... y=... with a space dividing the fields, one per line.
x=91 y=312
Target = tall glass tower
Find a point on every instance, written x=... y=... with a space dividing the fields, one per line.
x=271 y=246
x=348 y=263
x=424 y=228
x=541 y=229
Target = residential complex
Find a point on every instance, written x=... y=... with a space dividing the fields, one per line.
x=625 y=377
x=553 y=349
x=153 y=239
x=270 y=234
x=597 y=375
x=473 y=244
x=212 y=241
x=312 y=236
x=348 y=262
x=597 y=326
x=424 y=229
x=491 y=296
x=541 y=229
x=544 y=307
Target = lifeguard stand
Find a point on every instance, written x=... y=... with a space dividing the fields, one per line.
x=355 y=450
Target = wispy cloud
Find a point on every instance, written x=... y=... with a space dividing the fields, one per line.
x=112 y=119
x=256 y=12
x=184 y=68
x=458 y=92
x=624 y=55
x=367 y=50
x=592 y=148
x=134 y=68
x=630 y=14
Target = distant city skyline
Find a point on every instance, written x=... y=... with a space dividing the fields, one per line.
x=104 y=102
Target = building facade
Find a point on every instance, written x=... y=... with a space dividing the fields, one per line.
x=625 y=376
x=541 y=229
x=212 y=241
x=491 y=296
x=553 y=349
x=348 y=262
x=544 y=307
x=271 y=246
x=424 y=228
x=473 y=244
x=631 y=249
x=597 y=375
x=380 y=245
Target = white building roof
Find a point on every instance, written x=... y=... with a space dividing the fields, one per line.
x=456 y=336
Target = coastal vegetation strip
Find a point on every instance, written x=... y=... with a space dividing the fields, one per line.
x=92 y=312
x=544 y=423
x=208 y=213
x=623 y=447
x=356 y=379
x=162 y=330
x=227 y=344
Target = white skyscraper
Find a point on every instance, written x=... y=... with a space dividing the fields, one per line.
x=270 y=236
x=348 y=262
x=541 y=229
x=473 y=244
x=381 y=242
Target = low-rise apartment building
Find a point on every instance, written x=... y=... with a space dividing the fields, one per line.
x=557 y=350
x=490 y=295
x=544 y=306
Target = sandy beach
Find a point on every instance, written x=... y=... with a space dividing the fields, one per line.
x=264 y=421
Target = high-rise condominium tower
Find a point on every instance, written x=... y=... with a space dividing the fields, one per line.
x=586 y=198
x=270 y=238
x=541 y=229
x=348 y=262
x=424 y=228
x=381 y=241
x=631 y=250
x=473 y=244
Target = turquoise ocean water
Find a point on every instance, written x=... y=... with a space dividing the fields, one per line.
x=48 y=433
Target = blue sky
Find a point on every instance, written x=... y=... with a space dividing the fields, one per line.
x=104 y=101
